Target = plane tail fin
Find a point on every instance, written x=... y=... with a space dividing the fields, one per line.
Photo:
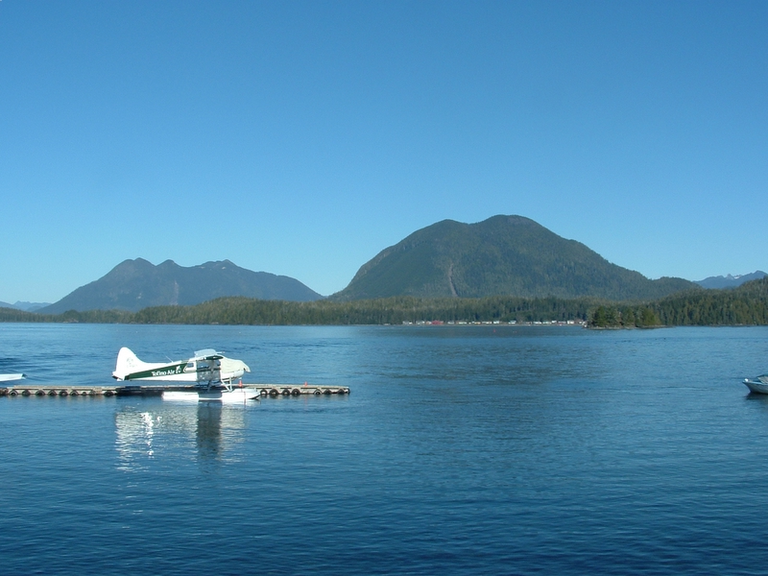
x=127 y=362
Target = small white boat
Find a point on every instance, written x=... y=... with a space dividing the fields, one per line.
x=758 y=385
x=11 y=377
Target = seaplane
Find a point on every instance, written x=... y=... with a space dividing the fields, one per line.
x=212 y=375
x=11 y=377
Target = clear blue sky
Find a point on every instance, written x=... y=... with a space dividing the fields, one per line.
x=301 y=138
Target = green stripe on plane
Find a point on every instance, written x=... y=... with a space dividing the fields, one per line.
x=171 y=370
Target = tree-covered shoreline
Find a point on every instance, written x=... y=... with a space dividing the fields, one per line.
x=396 y=310
x=746 y=305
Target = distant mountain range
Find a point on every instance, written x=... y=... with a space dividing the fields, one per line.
x=136 y=284
x=722 y=282
x=504 y=255
x=26 y=306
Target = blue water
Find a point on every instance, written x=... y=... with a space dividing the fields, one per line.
x=460 y=450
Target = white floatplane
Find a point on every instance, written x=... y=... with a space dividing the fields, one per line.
x=758 y=385
x=11 y=377
x=212 y=374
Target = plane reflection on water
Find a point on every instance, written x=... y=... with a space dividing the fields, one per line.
x=209 y=438
x=163 y=429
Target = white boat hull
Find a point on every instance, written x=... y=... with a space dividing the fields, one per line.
x=11 y=377
x=760 y=386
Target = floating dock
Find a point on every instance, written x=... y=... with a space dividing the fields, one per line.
x=66 y=390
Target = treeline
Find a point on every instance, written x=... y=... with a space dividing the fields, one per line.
x=88 y=317
x=396 y=310
x=746 y=305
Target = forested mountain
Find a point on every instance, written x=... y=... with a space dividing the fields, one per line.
x=508 y=257
x=504 y=255
x=136 y=284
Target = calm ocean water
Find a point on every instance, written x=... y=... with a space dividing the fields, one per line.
x=460 y=450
